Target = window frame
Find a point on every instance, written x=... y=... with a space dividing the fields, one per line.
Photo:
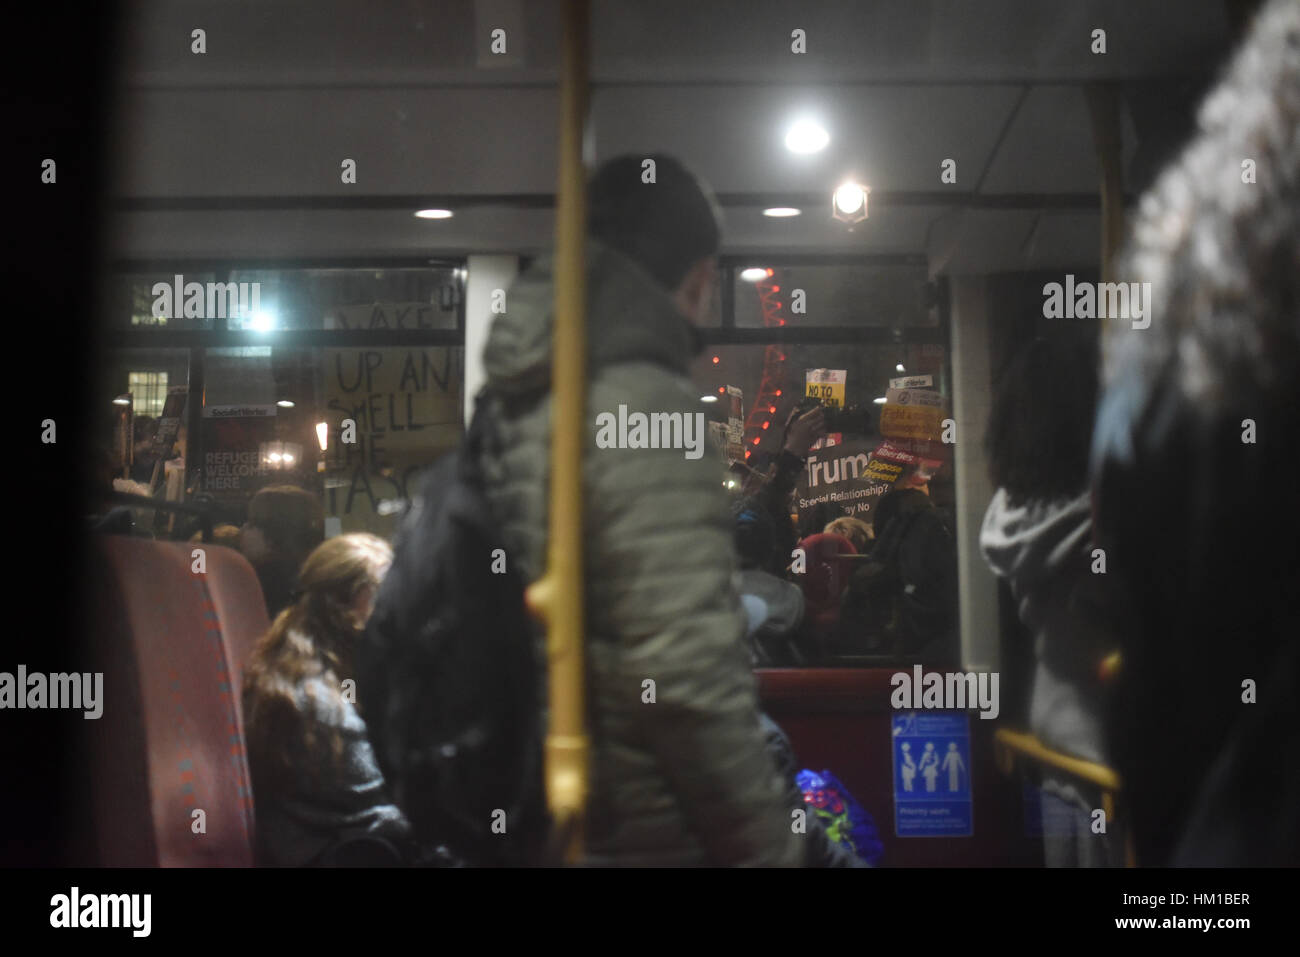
x=197 y=342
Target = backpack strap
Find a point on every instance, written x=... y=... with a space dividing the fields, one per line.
x=490 y=402
x=478 y=427
x=486 y=405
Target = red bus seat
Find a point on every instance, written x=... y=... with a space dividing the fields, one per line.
x=170 y=643
x=237 y=598
x=840 y=719
x=825 y=578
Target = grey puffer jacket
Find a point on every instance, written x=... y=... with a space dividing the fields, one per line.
x=684 y=780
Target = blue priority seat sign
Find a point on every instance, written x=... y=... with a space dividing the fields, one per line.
x=932 y=774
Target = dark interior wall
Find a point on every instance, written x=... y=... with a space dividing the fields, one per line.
x=56 y=110
x=1016 y=314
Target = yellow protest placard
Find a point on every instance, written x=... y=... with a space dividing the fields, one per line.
x=826 y=385
x=912 y=414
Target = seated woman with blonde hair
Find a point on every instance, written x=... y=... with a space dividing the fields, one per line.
x=320 y=796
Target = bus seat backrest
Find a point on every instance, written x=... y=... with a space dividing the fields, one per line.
x=170 y=742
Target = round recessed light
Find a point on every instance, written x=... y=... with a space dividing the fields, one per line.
x=708 y=398
x=781 y=212
x=121 y=401
x=434 y=213
x=754 y=273
x=899 y=368
x=879 y=401
x=285 y=404
x=850 y=198
x=807 y=136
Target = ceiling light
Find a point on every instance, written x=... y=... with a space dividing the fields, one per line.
x=807 y=137
x=434 y=213
x=781 y=212
x=754 y=273
x=263 y=321
x=121 y=400
x=708 y=398
x=285 y=404
x=899 y=367
x=880 y=400
x=850 y=198
x=323 y=434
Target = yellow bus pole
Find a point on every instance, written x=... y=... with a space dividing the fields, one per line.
x=558 y=596
x=1104 y=111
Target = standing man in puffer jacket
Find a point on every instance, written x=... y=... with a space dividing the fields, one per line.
x=684 y=780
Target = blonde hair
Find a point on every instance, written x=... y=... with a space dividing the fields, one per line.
x=311 y=639
x=227 y=535
x=854 y=529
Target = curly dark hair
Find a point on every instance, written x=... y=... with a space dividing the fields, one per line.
x=1040 y=428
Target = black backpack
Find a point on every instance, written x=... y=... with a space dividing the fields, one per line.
x=919 y=559
x=449 y=678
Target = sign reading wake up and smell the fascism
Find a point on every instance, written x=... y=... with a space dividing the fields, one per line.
x=406 y=406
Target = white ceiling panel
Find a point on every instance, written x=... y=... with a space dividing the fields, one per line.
x=892 y=138
x=326 y=233
x=292 y=142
